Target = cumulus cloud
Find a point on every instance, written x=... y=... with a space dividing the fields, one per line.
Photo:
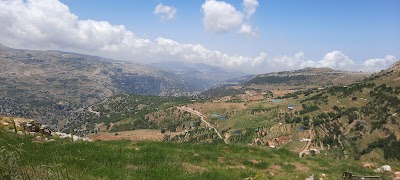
x=49 y=24
x=379 y=63
x=250 y=7
x=336 y=60
x=221 y=17
x=247 y=30
x=165 y=12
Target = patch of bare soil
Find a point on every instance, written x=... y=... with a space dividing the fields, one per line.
x=194 y=169
x=221 y=160
x=136 y=135
x=134 y=167
x=236 y=167
x=255 y=161
x=209 y=106
x=274 y=170
x=300 y=167
x=281 y=92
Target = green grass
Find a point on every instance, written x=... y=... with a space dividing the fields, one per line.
x=22 y=158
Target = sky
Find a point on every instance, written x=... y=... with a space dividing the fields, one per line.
x=252 y=36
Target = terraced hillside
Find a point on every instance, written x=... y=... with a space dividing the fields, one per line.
x=359 y=120
x=348 y=121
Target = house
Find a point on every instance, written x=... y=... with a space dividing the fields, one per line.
x=273 y=143
x=305 y=140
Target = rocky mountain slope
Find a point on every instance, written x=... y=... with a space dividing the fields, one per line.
x=49 y=85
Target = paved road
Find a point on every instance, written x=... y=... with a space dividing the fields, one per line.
x=202 y=117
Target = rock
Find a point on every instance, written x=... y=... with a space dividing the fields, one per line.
x=368 y=165
x=384 y=168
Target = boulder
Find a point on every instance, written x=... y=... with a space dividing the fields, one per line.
x=384 y=168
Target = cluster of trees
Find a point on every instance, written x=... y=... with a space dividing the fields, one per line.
x=317 y=99
x=262 y=110
x=289 y=80
x=134 y=108
x=308 y=108
x=384 y=103
x=243 y=137
x=390 y=146
x=347 y=91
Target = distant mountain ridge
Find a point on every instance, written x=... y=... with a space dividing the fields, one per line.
x=305 y=78
x=202 y=75
x=309 y=75
x=49 y=85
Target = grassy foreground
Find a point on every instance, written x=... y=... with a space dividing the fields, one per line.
x=21 y=157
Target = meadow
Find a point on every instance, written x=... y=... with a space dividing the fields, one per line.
x=28 y=157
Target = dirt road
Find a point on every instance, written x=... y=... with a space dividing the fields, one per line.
x=305 y=148
x=202 y=117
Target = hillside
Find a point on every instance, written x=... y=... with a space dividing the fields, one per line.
x=52 y=85
x=302 y=79
x=354 y=121
x=277 y=134
x=307 y=77
x=24 y=157
x=359 y=120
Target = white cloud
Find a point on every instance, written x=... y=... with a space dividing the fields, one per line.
x=379 y=63
x=49 y=24
x=220 y=16
x=247 y=30
x=165 y=12
x=250 y=7
x=336 y=60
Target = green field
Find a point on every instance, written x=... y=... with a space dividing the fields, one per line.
x=21 y=157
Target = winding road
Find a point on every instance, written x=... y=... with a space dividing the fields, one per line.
x=202 y=117
x=305 y=148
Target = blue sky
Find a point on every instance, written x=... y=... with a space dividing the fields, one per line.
x=359 y=28
x=285 y=34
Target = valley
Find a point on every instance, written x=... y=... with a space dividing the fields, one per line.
x=308 y=114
